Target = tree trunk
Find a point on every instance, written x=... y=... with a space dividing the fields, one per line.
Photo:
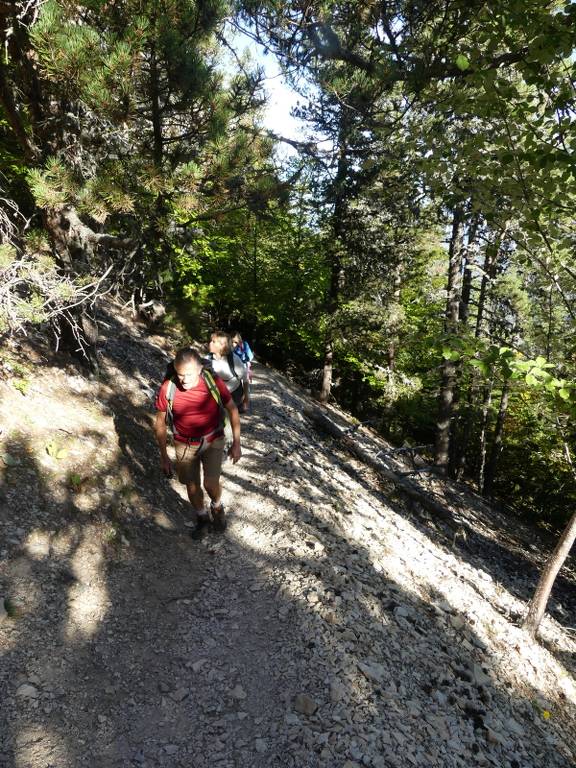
x=392 y=346
x=448 y=383
x=498 y=442
x=490 y=260
x=486 y=403
x=327 y=372
x=156 y=111
x=333 y=299
x=336 y=272
x=466 y=294
x=74 y=243
x=550 y=332
x=77 y=333
x=462 y=422
x=255 y=259
x=546 y=582
x=296 y=251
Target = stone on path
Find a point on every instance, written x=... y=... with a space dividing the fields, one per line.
x=337 y=691
x=305 y=704
x=480 y=677
x=179 y=694
x=514 y=727
x=27 y=691
x=238 y=693
x=458 y=622
x=375 y=673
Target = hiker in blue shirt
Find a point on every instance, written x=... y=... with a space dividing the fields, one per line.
x=242 y=349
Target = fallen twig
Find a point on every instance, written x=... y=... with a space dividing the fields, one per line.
x=322 y=420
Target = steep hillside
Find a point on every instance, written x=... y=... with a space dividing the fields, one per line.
x=335 y=624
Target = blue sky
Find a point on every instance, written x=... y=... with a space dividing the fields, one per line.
x=281 y=98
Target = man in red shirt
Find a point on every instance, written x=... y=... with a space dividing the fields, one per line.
x=198 y=435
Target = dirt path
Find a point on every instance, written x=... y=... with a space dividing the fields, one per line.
x=333 y=625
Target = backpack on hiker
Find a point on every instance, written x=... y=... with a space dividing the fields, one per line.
x=244 y=352
x=238 y=393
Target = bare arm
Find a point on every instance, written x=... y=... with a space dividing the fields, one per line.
x=161 y=433
x=235 y=451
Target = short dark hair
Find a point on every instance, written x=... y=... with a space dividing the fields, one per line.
x=187 y=355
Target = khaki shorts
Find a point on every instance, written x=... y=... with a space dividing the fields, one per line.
x=188 y=464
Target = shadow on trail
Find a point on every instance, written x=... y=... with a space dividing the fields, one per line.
x=139 y=647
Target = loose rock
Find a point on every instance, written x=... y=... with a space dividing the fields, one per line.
x=27 y=691
x=305 y=704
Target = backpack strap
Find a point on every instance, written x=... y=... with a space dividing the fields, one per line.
x=170 y=393
x=215 y=392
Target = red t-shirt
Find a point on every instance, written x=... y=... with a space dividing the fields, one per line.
x=195 y=410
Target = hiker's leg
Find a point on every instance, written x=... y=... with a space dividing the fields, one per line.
x=196 y=496
x=212 y=465
x=188 y=471
x=213 y=488
x=212 y=469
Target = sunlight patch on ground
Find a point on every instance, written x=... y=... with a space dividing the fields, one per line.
x=88 y=599
x=423 y=569
x=162 y=520
x=34 y=747
x=37 y=545
x=87 y=606
x=399 y=550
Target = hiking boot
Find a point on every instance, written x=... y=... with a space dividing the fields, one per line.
x=200 y=527
x=218 y=518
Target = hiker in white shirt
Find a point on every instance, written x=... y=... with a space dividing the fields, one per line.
x=229 y=367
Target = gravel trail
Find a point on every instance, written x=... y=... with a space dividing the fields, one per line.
x=333 y=625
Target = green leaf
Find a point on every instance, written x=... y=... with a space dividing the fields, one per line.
x=10 y=461
x=22 y=385
x=462 y=62
x=482 y=366
x=75 y=481
x=564 y=393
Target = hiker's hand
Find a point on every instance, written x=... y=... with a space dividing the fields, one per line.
x=235 y=452
x=166 y=465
